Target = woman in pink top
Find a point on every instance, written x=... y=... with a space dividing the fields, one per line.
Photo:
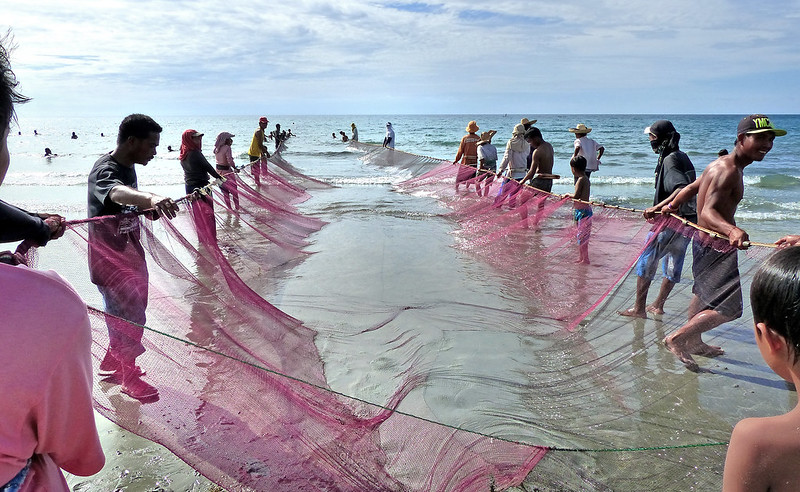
x=225 y=166
x=46 y=417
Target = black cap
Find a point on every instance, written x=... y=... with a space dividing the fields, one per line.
x=757 y=123
x=660 y=128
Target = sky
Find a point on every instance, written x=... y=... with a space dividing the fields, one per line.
x=206 y=57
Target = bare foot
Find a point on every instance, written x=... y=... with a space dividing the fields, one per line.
x=654 y=309
x=632 y=313
x=707 y=350
x=681 y=353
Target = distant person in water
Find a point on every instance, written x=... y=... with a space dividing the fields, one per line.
x=35 y=132
x=279 y=136
x=353 y=132
x=170 y=149
x=717 y=290
x=674 y=171
x=74 y=136
x=722 y=152
x=587 y=147
x=48 y=152
x=333 y=135
x=389 y=140
x=345 y=138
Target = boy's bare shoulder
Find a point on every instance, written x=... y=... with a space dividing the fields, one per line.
x=771 y=445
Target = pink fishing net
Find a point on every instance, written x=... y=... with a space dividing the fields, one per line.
x=589 y=399
x=242 y=393
x=619 y=410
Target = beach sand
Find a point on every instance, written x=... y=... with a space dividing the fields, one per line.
x=137 y=464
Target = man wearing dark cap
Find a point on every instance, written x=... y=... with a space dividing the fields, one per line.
x=717 y=292
x=674 y=171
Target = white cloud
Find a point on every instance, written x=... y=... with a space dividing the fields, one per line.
x=200 y=57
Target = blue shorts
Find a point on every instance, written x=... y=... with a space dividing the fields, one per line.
x=670 y=245
x=16 y=483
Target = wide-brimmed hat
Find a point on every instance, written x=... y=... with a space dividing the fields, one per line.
x=472 y=126
x=527 y=122
x=758 y=123
x=263 y=119
x=486 y=137
x=581 y=128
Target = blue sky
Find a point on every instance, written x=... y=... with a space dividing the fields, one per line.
x=176 y=57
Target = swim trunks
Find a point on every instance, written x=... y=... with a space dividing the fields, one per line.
x=543 y=184
x=583 y=219
x=668 y=244
x=716 y=279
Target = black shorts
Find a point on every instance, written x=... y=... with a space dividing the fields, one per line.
x=716 y=279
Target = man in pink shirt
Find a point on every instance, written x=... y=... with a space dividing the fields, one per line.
x=46 y=417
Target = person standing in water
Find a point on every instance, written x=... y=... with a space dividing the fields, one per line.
x=258 y=150
x=388 y=141
x=674 y=171
x=717 y=291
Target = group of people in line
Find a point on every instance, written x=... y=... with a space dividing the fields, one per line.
x=45 y=338
x=528 y=159
x=709 y=202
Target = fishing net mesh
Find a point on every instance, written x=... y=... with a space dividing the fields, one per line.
x=595 y=401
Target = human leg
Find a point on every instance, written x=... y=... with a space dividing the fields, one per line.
x=687 y=340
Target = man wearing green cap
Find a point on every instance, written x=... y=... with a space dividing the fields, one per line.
x=717 y=292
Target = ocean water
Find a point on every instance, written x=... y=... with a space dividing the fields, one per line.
x=770 y=207
x=390 y=256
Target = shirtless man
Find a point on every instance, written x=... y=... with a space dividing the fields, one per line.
x=541 y=160
x=717 y=292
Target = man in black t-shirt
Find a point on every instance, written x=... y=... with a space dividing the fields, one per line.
x=116 y=258
x=674 y=171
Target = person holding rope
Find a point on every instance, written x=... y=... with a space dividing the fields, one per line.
x=540 y=173
x=258 y=150
x=117 y=263
x=717 y=291
x=225 y=165
x=674 y=172
x=46 y=417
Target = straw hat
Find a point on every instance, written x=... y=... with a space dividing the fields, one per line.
x=486 y=137
x=526 y=122
x=472 y=127
x=581 y=128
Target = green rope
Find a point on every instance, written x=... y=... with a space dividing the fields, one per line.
x=394 y=410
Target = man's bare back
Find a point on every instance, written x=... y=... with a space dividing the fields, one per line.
x=542 y=159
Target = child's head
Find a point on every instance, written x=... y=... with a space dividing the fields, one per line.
x=578 y=163
x=775 y=296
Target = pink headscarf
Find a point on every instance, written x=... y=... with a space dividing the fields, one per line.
x=221 y=139
x=187 y=144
